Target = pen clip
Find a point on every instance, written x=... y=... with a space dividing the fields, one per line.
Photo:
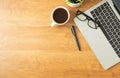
x=73 y=30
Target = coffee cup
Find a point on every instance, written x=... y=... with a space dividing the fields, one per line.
x=60 y=16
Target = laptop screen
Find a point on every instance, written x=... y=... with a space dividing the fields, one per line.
x=117 y=5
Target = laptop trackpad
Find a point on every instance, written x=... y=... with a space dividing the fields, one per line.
x=101 y=47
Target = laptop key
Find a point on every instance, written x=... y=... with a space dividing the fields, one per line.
x=118 y=46
x=118 y=33
x=115 y=49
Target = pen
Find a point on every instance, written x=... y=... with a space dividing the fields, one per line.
x=75 y=37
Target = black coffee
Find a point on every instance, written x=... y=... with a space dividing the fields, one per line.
x=60 y=15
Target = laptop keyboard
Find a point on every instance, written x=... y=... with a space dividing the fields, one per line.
x=109 y=24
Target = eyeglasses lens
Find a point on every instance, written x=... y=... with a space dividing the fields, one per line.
x=82 y=17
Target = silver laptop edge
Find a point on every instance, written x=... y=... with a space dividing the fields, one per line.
x=97 y=40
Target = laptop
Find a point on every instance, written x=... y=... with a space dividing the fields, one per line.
x=105 y=40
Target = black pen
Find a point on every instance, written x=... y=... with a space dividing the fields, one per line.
x=75 y=37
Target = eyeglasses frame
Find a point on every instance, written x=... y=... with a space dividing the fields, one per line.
x=87 y=18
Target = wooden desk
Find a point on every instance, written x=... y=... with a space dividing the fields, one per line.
x=30 y=48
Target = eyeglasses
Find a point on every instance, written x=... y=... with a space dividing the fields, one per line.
x=83 y=17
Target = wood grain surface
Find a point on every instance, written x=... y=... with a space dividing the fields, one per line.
x=30 y=48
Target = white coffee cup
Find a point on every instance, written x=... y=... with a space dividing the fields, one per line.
x=60 y=16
